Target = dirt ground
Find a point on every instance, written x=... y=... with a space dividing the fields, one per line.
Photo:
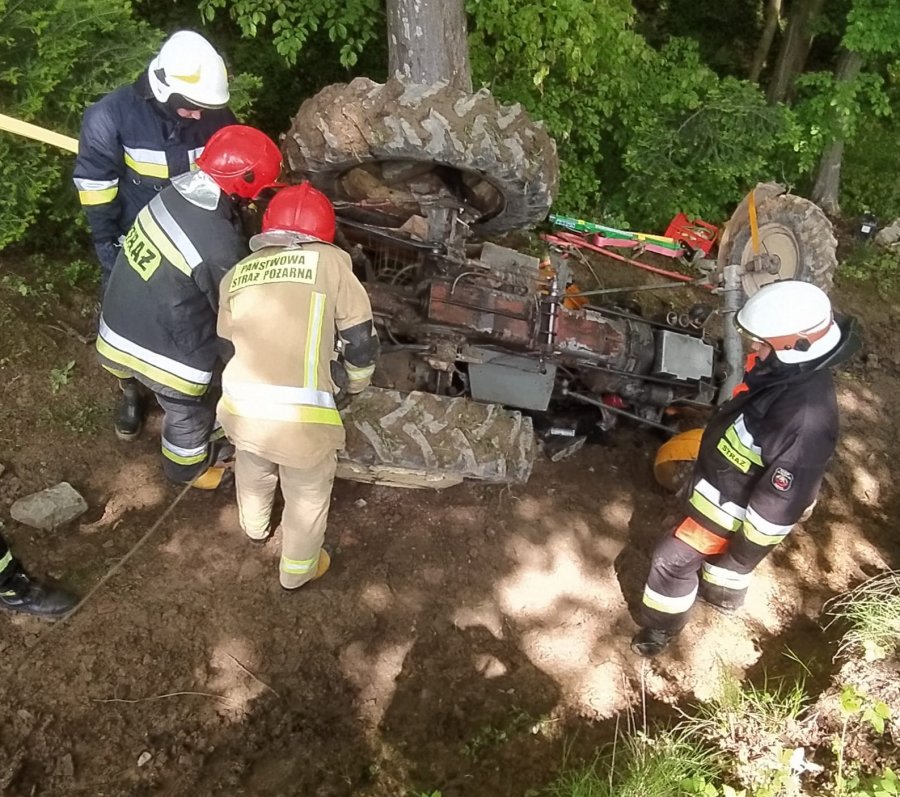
x=465 y=641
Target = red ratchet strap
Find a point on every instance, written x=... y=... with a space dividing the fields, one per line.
x=571 y=239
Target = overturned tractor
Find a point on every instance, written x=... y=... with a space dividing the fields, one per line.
x=479 y=339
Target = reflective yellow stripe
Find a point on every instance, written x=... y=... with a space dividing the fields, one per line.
x=181 y=455
x=314 y=340
x=299 y=566
x=180 y=460
x=736 y=459
x=755 y=535
x=290 y=413
x=158 y=375
x=356 y=374
x=115 y=372
x=103 y=197
x=718 y=516
x=5 y=561
x=161 y=241
x=732 y=437
x=668 y=604
x=147 y=169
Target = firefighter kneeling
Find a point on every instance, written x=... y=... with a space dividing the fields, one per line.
x=287 y=309
x=761 y=462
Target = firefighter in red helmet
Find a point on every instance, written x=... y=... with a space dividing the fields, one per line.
x=158 y=319
x=301 y=326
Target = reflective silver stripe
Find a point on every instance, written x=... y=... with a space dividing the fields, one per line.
x=170 y=227
x=156 y=156
x=725 y=578
x=759 y=530
x=95 y=185
x=711 y=494
x=193 y=154
x=666 y=603
x=183 y=452
x=165 y=363
x=740 y=427
x=277 y=394
x=314 y=340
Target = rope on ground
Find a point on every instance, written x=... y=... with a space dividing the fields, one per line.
x=107 y=576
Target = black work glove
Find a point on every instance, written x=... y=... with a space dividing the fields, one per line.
x=339 y=376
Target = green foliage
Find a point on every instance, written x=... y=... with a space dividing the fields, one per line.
x=870 y=613
x=289 y=24
x=753 y=719
x=57 y=56
x=642 y=133
x=871 y=177
x=672 y=763
x=59 y=377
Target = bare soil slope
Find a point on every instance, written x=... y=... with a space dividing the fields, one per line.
x=460 y=640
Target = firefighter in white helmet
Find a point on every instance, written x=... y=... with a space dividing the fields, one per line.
x=761 y=462
x=134 y=141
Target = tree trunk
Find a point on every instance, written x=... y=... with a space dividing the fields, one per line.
x=826 y=191
x=794 y=49
x=773 y=16
x=428 y=41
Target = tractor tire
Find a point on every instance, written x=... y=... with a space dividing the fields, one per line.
x=355 y=140
x=424 y=440
x=790 y=226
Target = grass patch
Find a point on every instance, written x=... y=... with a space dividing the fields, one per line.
x=871 y=615
x=671 y=763
x=752 y=725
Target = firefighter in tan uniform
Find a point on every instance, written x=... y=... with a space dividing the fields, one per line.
x=287 y=310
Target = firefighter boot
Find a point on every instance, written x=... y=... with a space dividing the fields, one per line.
x=322 y=566
x=722 y=599
x=129 y=410
x=651 y=641
x=25 y=595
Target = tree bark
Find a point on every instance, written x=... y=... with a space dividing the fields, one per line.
x=428 y=41
x=794 y=49
x=773 y=16
x=826 y=191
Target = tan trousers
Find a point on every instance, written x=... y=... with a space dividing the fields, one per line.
x=307 y=495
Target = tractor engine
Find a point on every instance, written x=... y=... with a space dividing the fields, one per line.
x=503 y=329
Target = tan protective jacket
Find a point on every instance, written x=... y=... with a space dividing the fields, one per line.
x=281 y=308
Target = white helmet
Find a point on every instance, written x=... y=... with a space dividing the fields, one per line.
x=188 y=65
x=794 y=318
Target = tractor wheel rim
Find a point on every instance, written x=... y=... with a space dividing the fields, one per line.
x=775 y=239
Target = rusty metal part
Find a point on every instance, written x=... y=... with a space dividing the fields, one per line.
x=491 y=314
x=763 y=263
x=615 y=410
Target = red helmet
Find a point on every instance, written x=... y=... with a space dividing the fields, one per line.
x=242 y=160
x=303 y=209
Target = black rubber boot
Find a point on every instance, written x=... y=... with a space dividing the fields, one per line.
x=129 y=410
x=723 y=600
x=651 y=641
x=25 y=595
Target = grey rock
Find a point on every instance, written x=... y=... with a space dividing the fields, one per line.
x=49 y=508
x=890 y=235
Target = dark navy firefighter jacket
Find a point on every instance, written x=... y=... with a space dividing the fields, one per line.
x=130 y=147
